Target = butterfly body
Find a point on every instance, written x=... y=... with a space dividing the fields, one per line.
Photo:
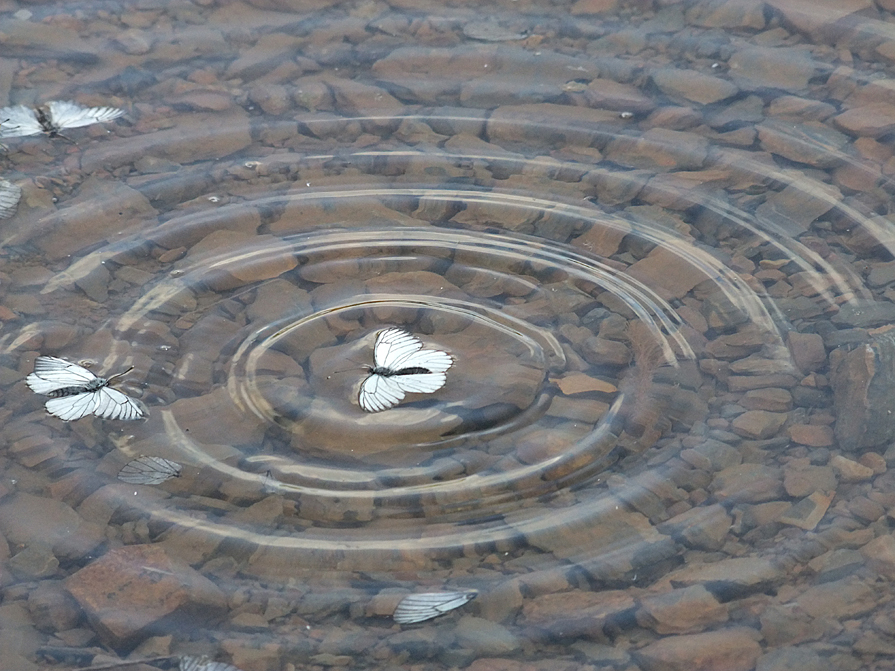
x=401 y=366
x=75 y=392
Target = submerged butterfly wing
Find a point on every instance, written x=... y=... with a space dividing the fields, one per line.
x=113 y=404
x=433 y=360
x=421 y=607
x=204 y=664
x=9 y=198
x=393 y=346
x=66 y=114
x=149 y=471
x=19 y=121
x=52 y=373
x=73 y=407
x=379 y=393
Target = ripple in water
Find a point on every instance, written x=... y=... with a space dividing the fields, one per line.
x=665 y=288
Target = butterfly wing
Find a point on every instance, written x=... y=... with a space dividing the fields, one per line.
x=149 y=471
x=66 y=114
x=113 y=404
x=392 y=346
x=72 y=407
x=9 y=198
x=18 y=121
x=51 y=373
x=379 y=393
x=204 y=664
x=421 y=607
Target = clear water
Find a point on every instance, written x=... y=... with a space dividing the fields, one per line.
x=656 y=239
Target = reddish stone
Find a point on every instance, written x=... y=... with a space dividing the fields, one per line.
x=137 y=588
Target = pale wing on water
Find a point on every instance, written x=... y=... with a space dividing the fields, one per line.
x=149 y=471
x=66 y=114
x=9 y=198
x=52 y=373
x=19 y=121
x=421 y=607
x=189 y=663
x=379 y=393
x=113 y=404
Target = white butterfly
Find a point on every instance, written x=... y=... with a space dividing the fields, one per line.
x=19 y=120
x=401 y=366
x=420 y=607
x=75 y=392
x=204 y=664
x=9 y=198
x=149 y=471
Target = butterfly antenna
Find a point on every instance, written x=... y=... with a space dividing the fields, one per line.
x=117 y=375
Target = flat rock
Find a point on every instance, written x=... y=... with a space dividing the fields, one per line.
x=734 y=649
x=139 y=589
x=27 y=520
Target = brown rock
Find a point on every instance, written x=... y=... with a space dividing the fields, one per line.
x=850 y=471
x=681 y=611
x=693 y=86
x=880 y=555
x=27 y=520
x=660 y=149
x=734 y=649
x=759 y=424
x=214 y=418
x=863 y=393
x=801 y=479
x=764 y=67
x=812 y=435
x=875 y=462
x=842 y=599
x=751 y=483
x=794 y=208
x=813 y=143
x=573 y=614
x=138 y=590
x=52 y=608
x=669 y=273
x=770 y=399
x=807 y=513
x=807 y=350
x=871 y=120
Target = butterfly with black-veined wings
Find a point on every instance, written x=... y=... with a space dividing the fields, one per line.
x=401 y=366
x=75 y=392
x=149 y=471
x=52 y=118
x=421 y=607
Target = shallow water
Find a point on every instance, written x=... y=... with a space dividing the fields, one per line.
x=655 y=238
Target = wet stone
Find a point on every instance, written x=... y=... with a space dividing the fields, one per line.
x=34 y=562
x=807 y=513
x=850 y=471
x=764 y=67
x=484 y=637
x=750 y=483
x=812 y=143
x=682 y=611
x=27 y=520
x=734 y=649
x=801 y=479
x=692 y=86
x=759 y=424
x=137 y=589
x=572 y=614
x=52 y=608
x=841 y=599
x=863 y=397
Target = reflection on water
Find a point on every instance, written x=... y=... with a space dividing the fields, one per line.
x=655 y=240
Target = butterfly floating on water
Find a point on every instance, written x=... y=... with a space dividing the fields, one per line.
x=421 y=607
x=9 y=198
x=149 y=471
x=52 y=118
x=401 y=366
x=75 y=392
